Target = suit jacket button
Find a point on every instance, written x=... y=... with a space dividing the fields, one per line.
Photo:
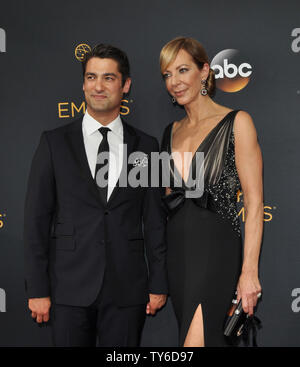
x=106 y=212
x=103 y=242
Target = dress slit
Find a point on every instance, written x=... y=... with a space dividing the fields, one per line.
x=188 y=322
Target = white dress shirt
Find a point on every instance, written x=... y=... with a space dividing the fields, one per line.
x=92 y=139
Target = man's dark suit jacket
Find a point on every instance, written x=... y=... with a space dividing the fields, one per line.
x=70 y=234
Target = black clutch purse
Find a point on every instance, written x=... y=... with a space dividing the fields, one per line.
x=239 y=324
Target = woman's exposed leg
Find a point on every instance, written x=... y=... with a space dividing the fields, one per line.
x=195 y=334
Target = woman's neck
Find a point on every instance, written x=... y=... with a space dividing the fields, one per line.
x=199 y=109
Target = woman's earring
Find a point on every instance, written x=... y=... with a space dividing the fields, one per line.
x=173 y=100
x=203 y=89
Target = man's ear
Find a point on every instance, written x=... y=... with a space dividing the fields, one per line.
x=127 y=85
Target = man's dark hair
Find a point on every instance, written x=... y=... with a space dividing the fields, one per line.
x=104 y=51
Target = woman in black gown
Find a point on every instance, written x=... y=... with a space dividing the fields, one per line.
x=206 y=259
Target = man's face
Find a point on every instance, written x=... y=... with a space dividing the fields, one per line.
x=102 y=86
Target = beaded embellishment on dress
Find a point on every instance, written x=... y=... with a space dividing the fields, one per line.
x=221 y=180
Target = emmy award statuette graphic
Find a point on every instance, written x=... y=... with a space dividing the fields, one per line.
x=81 y=50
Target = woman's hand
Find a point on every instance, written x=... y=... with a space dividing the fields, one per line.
x=249 y=289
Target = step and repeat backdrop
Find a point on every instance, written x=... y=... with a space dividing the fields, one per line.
x=254 y=47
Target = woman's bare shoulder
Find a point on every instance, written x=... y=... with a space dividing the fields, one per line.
x=244 y=128
x=243 y=120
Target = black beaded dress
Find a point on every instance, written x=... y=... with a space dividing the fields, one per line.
x=203 y=234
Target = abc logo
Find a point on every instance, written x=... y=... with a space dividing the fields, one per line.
x=231 y=72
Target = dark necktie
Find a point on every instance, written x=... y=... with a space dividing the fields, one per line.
x=103 y=148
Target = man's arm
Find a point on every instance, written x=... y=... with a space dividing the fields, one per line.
x=39 y=209
x=154 y=219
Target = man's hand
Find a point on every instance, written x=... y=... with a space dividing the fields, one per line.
x=39 y=308
x=156 y=302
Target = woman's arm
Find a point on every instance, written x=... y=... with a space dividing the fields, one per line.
x=249 y=166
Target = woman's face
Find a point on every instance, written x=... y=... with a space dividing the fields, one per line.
x=183 y=78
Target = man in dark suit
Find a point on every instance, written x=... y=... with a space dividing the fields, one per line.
x=86 y=234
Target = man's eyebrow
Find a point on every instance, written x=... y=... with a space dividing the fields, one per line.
x=105 y=74
x=110 y=74
x=88 y=73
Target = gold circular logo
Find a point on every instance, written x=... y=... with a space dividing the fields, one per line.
x=81 y=50
x=232 y=73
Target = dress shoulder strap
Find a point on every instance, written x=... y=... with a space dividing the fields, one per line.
x=232 y=116
x=165 y=142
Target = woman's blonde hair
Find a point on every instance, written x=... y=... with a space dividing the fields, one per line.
x=195 y=49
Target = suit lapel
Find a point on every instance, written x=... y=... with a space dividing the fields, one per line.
x=74 y=139
x=131 y=140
